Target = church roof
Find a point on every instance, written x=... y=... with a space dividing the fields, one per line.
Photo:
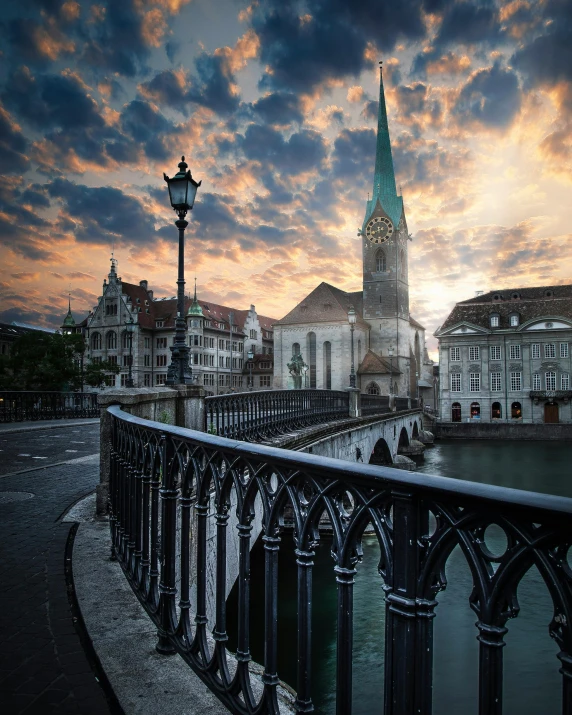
x=374 y=364
x=415 y=324
x=529 y=303
x=325 y=304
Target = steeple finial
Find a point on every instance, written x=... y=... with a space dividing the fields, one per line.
x=195 y=298
x=384 y=177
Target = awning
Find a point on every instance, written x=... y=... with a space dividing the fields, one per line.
x=424 y=383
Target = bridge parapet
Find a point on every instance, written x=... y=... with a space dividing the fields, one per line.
x=160 y=474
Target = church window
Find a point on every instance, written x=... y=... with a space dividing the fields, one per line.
x=516 y=381
x=327 y=365
x=494 y=321
x=474 y=382
x=295 y=349
x=496 y=385
x=96 y=341
x=474 y=352
x=495 y=352
x=550 y=350
x=373 y=389
x=550 y=378
x=456 y=382
x=514 y=352
x=563 y=350
x=380 y=262
x=111 y=340
x=311 y=353
x=565 y=381
x=455 y=354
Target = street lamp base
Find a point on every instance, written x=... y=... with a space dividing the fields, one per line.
x=179 y=371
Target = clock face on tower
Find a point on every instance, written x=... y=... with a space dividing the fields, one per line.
x=379 y=229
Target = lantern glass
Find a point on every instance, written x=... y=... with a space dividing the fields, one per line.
x=352 y=317
x=178 y=192
x=250 y=355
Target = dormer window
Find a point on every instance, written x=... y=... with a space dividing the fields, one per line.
x=514 y=321
x=495 y=320
x=548 y=294
x=496 y=296
x=515 y=296
x=159 y=323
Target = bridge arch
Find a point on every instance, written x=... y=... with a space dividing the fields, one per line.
x=403 y=440
x=415 y=430
x=381 y=453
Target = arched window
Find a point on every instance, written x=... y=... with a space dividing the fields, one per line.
x=111 y=340
x=402 y=265
x=380 y=262
x=456 y=412
x=125 y=340
x=295 y=349
x=311 y=357
x=496 y=411
x=96 y=341
x=475 y=410
x=373 y=389
x=516 y=410
x=327 y=365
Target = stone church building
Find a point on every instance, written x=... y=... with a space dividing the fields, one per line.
x=389 y=345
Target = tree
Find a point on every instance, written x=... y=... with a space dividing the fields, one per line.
x=97 y=374
x=44 y=361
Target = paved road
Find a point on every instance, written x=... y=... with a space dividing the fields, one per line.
x=43 y=665
x=41 y=447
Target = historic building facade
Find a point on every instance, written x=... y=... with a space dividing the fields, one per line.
x=505 y=356
x=389 y=345
x=219 y=338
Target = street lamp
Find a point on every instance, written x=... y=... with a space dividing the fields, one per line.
x=408 y=370
x=250 y=355
x=130 y=327
x=390 y=353
x=305 y=369
x=352 y=317
x=417 y=385
x=182 y=192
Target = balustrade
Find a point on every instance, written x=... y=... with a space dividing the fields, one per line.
x=20 y=406
x=160 y=473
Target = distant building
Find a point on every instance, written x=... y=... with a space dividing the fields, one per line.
x=9 y=333
x=505 y=356
x=389 y=345
x=218 y=349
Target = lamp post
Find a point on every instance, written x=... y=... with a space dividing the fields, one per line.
x=352 y=317
x=250 y=359
x=390 y=353
x=417 y=385
x=182 y=192
x=130 y=327
x=305 y=369
x=408 y=369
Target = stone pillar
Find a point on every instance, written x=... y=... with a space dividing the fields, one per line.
x=191 y=407
x=355 y=402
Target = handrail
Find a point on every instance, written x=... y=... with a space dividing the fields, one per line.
x=17 y=406
x=159 y=473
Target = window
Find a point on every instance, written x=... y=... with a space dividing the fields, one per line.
x=112 y=359
x=536 y=384
x=513 y=321
x=126 y=339
x=494 y=321
x=111 y=341
x=474 y=353
x=227 y=362
x=127 y=360
x=514 y=352
x=295 y=349
x=455 y=354
x=237 y=380
x=456 y=382
x=475 y=411
x=221 y=380
x=516 y=381
x=264 y=365
x=160 y=379
x=209 y=360
x=550 y=350
x=516 y=410
x=124 y=380
x=196 y=339
x=221 y=344
x=563 y=350
x=474 y=382
x=227 y=345
x=550 y=378
x=147 y=379
x=496 y=382
x=495 y=352
x=220 y=361
x=161 y=360
x=161 y=343
x=373 y=389
x=253 y=335
x=380 y=262
x=159 y=324
x=195 y=358
x=96 y=341
x=111 y=309
x=456 y=412
x=265 y=381
x=565 y=381
x=535 y=351
x=208 y=379
x=496 y=411
x=147 y=343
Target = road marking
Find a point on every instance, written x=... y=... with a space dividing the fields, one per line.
x=39 y=457
x=75 y=441
x=71 y=450
x=23 y=455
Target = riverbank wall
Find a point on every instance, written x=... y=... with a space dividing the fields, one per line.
x=489 y=430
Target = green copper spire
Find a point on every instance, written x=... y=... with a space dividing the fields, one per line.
x=68 y=320
x=384 y=178
x=384 y=189
x=195 y=308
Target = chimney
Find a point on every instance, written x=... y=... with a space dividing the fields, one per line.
x=143 y=284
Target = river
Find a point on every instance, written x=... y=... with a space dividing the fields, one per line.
x=532 y=684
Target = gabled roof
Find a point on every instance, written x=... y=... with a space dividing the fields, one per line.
x=374 y=364
x=325 y=304
x=531 y=303
x=415 y=324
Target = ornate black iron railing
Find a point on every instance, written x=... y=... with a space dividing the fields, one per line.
x=20 y=406
x=401 y=403
x=374 y=404
x=169 y=487
x=253 y=416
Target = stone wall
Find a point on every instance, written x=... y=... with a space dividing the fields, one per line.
x=484 y=430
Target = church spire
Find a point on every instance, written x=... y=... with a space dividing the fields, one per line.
x=384 y=177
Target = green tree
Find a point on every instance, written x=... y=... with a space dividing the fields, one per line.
x=44 y=361
x=97 y=374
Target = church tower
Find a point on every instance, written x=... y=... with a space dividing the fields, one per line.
x=384 y=242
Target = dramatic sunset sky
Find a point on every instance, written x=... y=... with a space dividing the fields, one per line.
x=274 y=105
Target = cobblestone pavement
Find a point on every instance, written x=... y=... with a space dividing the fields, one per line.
x=43 y=666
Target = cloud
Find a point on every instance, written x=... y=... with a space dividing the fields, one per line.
x=280 y=108
x=303 y=151
x=491 y=96
x=13 y=146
